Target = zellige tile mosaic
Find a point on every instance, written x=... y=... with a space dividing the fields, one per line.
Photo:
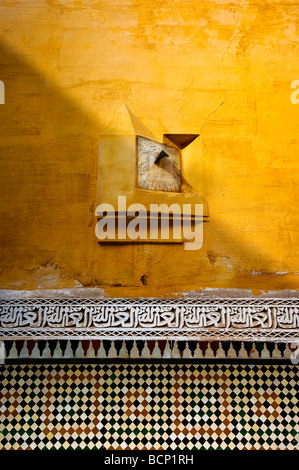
x=149 y=406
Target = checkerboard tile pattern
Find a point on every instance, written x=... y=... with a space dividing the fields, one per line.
x=158 y=406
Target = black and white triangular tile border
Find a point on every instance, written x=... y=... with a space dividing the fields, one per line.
x=125 y=351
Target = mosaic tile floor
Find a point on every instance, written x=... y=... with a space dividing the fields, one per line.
x=147 y=406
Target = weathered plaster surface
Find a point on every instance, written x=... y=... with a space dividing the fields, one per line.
x=221 y=69
x=97 y=293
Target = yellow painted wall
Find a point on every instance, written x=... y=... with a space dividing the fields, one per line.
x=220 y=69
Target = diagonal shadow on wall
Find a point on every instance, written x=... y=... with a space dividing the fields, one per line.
x=48 y=158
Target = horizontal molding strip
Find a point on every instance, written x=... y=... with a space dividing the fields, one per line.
x=128 y=351
x=227 y=319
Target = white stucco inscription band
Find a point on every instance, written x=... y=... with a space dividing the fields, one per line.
x=212 y=319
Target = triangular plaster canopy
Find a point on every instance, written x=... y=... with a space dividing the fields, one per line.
x=124 y=122
x=181 y=140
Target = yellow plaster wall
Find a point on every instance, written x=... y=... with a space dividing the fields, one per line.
x=215 y=68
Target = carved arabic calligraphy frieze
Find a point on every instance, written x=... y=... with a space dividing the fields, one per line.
x=201 y=319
